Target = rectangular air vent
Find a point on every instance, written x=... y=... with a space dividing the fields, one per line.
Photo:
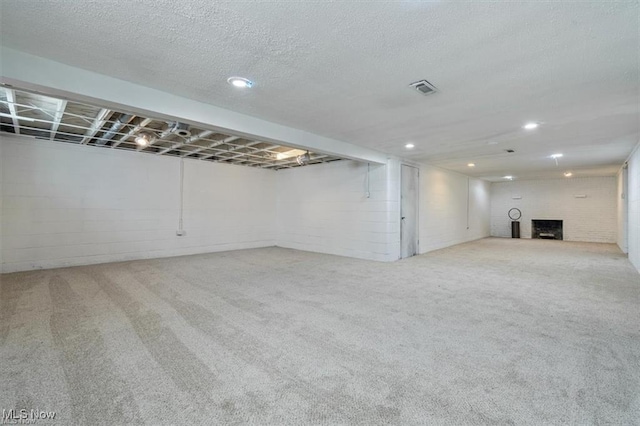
x=424 y=87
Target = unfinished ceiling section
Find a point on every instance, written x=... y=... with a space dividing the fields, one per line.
x=59 y=120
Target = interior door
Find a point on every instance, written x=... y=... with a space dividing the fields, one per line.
x=409 y=211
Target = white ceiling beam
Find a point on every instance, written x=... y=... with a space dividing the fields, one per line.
x=11 y=100
x=60 y=107
x=101 y=118
x=59 y=80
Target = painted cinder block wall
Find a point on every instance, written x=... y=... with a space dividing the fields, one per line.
x=324 y=208
x=66 y=205
x=589 y=219
x=345 y=208
x=633 y=190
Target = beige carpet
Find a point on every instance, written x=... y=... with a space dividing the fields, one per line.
x=496 y=331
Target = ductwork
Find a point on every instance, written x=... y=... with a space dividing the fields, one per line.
x=122 y=121
x=180 y=129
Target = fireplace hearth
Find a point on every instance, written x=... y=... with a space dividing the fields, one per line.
x=546 y=229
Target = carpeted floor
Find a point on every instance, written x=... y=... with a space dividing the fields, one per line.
x=497 y=331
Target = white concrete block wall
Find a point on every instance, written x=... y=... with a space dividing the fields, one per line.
x=443 y=208
x=622 y=209
x=227 y=207
x=70 y=205
x=633 y=190
x=324 y=208
x=591 y=219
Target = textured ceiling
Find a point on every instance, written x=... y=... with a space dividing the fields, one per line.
x=342 y=70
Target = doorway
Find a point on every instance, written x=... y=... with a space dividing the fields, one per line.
x=409 y=183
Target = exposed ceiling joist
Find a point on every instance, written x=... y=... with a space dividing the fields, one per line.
x=101 y=118
x=61 y=106
x=211 y=146
x=75 y=122
x=11 y=100
x=189 y=140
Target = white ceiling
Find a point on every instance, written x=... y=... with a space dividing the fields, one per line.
x=342 y=70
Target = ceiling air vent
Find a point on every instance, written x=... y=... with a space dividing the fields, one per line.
x=424 y=87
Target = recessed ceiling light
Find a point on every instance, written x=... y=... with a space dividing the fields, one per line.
x=556 y=156
x=471 y=165
x=568 y=174
x=240 y=82
x=530 y=126
x=508 y=177
x=409 y=146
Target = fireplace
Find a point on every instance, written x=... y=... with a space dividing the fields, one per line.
x=546 y=229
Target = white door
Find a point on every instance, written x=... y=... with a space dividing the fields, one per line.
x=409 y=211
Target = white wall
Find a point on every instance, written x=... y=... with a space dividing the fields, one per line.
x=622 y=208
x=324 y=208
x=444 y=197
x=591 y=219
x=633 y=190
x=68 y=205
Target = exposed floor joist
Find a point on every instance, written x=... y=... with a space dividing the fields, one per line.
x=61 y=120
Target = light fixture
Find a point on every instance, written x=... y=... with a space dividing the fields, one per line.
x=556 y=156
x=530 y=126
x=288 y=154
x=144 y=139
x=471 y=165
x=240 y=82
x=303 y=159
x=409 y=146
x=508 y=177
x=568 y=174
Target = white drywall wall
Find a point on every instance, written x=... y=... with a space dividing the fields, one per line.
x=591 y=219
x=633 y=190
x=68 y=205
x=444 y=197
x=325 y=208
